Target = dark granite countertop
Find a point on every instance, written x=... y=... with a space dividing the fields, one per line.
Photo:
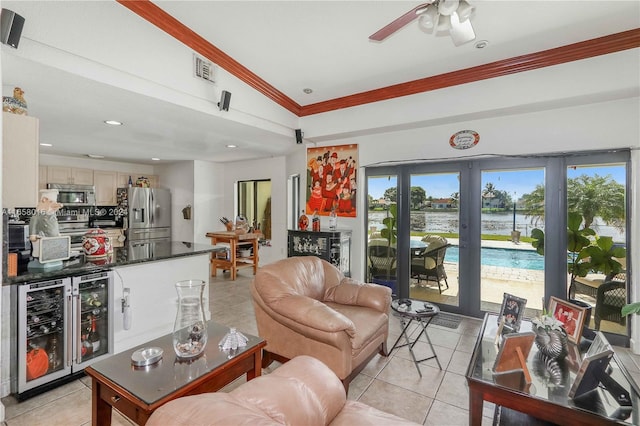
x=131 y=253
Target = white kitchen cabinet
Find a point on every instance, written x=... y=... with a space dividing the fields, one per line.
x=105 y=183
x=69 y=175
x=42 y=177
x=20 y=138
x=123 y=179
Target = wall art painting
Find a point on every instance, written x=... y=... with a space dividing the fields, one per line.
x=332 y=181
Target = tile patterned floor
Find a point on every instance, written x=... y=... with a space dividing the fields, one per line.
x=390 y=384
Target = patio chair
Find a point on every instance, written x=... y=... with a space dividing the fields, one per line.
x=611 y=297
x=382 y=258
x=429 y=262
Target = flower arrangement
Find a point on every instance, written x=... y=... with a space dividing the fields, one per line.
x=547 y=321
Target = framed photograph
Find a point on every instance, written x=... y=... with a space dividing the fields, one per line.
x=513 y=353
x=570 y=315
x=512 y=311
x=593 y=367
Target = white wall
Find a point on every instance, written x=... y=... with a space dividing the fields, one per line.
x=267 y=168
x=634 y=286
x=612 y=124
x=178 y=178
x=209 y=194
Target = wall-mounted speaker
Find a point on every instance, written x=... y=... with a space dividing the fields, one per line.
x=10 y=27
x=225 y=101
x=299 y=136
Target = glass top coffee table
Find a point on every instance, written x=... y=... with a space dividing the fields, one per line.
x=137 y=391
x=546 y=398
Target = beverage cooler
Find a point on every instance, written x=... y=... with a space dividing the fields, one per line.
x=63 y=325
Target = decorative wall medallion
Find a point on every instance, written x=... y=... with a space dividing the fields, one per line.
x=464 y=139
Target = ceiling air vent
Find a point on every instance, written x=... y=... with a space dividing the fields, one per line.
x=203 y=69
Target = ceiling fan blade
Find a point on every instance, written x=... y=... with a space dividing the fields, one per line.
x=461 y=32
x=395 y=25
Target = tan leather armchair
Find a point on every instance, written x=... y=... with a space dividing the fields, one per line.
x=305 y=306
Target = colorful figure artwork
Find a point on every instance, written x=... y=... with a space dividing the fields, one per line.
x=332 y=180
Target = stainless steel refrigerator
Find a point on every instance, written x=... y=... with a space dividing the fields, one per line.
x=148 y=214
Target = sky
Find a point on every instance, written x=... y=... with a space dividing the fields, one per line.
x=516 y=182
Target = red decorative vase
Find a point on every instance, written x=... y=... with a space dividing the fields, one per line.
x=96 y=243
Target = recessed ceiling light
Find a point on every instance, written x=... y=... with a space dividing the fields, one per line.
x=307 y=91
x=232 y=146
x=113 y=122
x=481 y=44
x=45 y=144
x=95 y=156
x=155 y=159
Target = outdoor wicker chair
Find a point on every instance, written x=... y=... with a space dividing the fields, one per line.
x=610 y=298
x=429 y=262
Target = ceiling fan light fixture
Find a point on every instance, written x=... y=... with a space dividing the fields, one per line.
x=444 y=25
x=447 y=7
x=428 y=19
x=465 y=10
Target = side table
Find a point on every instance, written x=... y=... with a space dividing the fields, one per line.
x=235 y=261
x=410 y=310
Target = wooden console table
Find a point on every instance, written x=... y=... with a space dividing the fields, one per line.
x=234 y=260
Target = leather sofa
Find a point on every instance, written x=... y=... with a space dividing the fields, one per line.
x=301 y=392
x=305 y=306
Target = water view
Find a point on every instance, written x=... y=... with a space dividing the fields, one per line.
x=492 y=223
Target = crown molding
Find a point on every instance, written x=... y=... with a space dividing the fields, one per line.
x=560 y=55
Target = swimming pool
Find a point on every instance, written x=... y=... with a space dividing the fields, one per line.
x=508 y=258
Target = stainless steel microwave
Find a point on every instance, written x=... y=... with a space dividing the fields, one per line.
x=75 y=195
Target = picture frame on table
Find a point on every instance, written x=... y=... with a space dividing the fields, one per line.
x=512 y=311
x=571 y=316
x=593 y=367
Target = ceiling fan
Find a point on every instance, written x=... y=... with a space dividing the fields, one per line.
x=438 y=16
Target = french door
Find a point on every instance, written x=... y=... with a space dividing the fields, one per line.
x=486 y=210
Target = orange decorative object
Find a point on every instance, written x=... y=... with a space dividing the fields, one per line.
x=37 y=363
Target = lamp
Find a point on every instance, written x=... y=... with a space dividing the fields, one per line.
x=448 y=17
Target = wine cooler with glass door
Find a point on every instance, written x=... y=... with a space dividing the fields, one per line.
x=63 y=325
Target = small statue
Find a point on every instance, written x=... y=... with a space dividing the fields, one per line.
x=15 y=104
x=45 y=223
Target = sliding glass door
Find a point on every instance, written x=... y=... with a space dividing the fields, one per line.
x=434 y=237
x=506 y=225
x=509 y=262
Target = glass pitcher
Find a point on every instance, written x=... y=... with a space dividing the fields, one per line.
x=190 y=328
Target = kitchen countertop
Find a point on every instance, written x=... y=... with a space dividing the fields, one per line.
x=132 y=253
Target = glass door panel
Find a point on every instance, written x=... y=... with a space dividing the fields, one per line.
x=597 y=193
x=512 y=205
x=434 y=223
x=382 y=241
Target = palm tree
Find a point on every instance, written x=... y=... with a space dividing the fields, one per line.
x=455 y=199
x=591 y=197
x=597 y=196
x=489 y=192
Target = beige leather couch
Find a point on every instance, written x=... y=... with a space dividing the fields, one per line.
x=302 y=392
x=305 y=306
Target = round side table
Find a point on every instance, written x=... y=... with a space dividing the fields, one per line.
x=410 y=310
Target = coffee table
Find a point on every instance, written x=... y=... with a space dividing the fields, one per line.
x=137 y=391
x=543 y=399
x=422 y=313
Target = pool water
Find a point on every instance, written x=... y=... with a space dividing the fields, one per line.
x=508 y=258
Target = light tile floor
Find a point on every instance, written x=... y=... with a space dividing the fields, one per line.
x=390 y=384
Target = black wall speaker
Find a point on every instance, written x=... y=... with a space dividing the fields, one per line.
x=299 y=135
x=10 y=27
x=225 y=101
